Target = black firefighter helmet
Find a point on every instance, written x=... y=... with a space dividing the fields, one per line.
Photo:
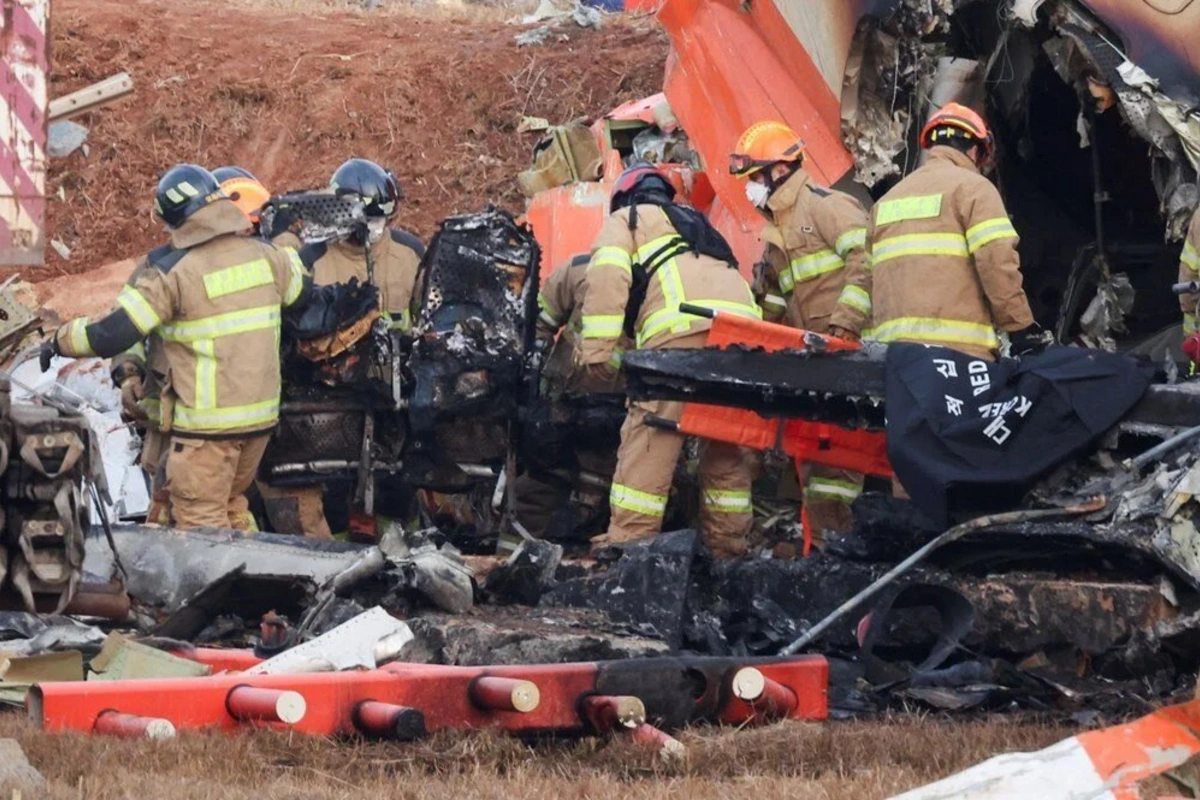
x=182 y=191
x=375 y=186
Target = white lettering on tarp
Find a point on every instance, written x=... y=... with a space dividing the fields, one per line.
x=997 y=430
x=954 y=405
x=1020 y=404
x=946 y=367
x=980 y=379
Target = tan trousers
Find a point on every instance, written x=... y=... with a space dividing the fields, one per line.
x=154 y=453
x=828 y=494
x=298 y=510
x=207 y=481
x=646 y=469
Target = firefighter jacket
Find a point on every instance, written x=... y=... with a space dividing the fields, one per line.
x=684 y=278
x=215 y=298
x=397 y=258
x=1189 y=270
x=561 y=312
x=147 y=358
x=814 y=264
x=943 y=260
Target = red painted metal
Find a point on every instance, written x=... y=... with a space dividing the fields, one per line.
x=610 y=714
x=389 y=721
x=220 y=659
x=504 y=694
x=114 y=723
x=665 y=743
x=754 y=697
x=448 y=697
x=253 y=704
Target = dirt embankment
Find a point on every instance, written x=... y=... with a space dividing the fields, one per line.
x=290 y=91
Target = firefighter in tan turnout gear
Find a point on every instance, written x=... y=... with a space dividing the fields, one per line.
x=1189 y=270
x=651 y=256
x=813 y=275
x=395 y=257
x=541 y=496
x=215 y=299
x=943 y=253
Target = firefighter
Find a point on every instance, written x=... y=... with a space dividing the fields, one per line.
x=214 y=298
x=812 y=275
x=543 y=493
x=651 y=256
x=943 y=253
x=250 y=195
x=395 y=256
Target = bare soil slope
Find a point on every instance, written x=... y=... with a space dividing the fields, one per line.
x=289 y=90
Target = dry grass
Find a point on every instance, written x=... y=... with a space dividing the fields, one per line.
x=834 y=760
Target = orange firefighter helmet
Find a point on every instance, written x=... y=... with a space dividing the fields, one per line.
x=245 y=190
x=763 y=144
x=956 y=121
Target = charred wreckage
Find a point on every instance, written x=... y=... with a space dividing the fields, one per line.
x=1066 y=577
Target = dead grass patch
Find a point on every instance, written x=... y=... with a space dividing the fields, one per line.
x=833 y=760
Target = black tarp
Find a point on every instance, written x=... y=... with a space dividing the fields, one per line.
x=967 y=435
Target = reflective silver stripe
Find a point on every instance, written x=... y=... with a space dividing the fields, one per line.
x=930 y=329
x=856 y=297
x=814 y=265
x=233 y=322
x=727 y=501
x=205 y=351
x=831 y=489
x=245 y=416
x=1189 y=257
x=989 y=231
x=144 y=317
x=774 y=300
x=851 y=239
x=602 y=326
x=77 y=338
x=919 y=244
x=637 y=501
x=612 y=256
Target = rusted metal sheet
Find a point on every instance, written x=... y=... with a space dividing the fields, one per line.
x=23 y=131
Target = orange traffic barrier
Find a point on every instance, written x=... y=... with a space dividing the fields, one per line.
x=114 y=723
x=505 y=694
x=389 y=721
x=252 y=704
x=521 y=698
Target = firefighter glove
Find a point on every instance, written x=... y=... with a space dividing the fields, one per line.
x=1030 y=341
x=133 y=389
x=48 y=351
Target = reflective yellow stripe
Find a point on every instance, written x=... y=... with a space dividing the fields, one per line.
x=144 y=317
x=78 y=343
x=814 y=265
x=671 y=318
x=727 y=501
x=919 y=244
x=1190 y=324
x=296 y=276
x=857 y=298
x=855 y=237
x=774 y=300
x=602 y=326
x=906 y=208
x=216 y=419
x=617 y=357
x=930 y=329
x=612 y=256
x=547 y=316
x=206 y=373
x=831 y=489
x=137 y=351
x=153 y=408
x=1189 y=257
x=233 y=322
x=786 y=281
x=988 y=231
x=238 y=278
x=637 y=501
x=400 y=321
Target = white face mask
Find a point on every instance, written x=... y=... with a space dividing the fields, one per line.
x=757 y=193
x=376 y=226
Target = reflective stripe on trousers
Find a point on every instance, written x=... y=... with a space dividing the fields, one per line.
x=941 y=331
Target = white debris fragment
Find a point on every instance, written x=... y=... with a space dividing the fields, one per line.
x=351 y=645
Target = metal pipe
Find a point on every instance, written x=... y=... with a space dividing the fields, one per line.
x=953 y=534
x=103 y=600
x=253 y=704
x=669 y=748
x=504 y=694
x=389 y=721
x=478 y=470
x=608 y=714
x=130 y=726
x=770 y=699
x=1163 y=448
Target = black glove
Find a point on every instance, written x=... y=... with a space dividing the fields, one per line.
x=331 y=308
x=47 y=352
x=1029 y=341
